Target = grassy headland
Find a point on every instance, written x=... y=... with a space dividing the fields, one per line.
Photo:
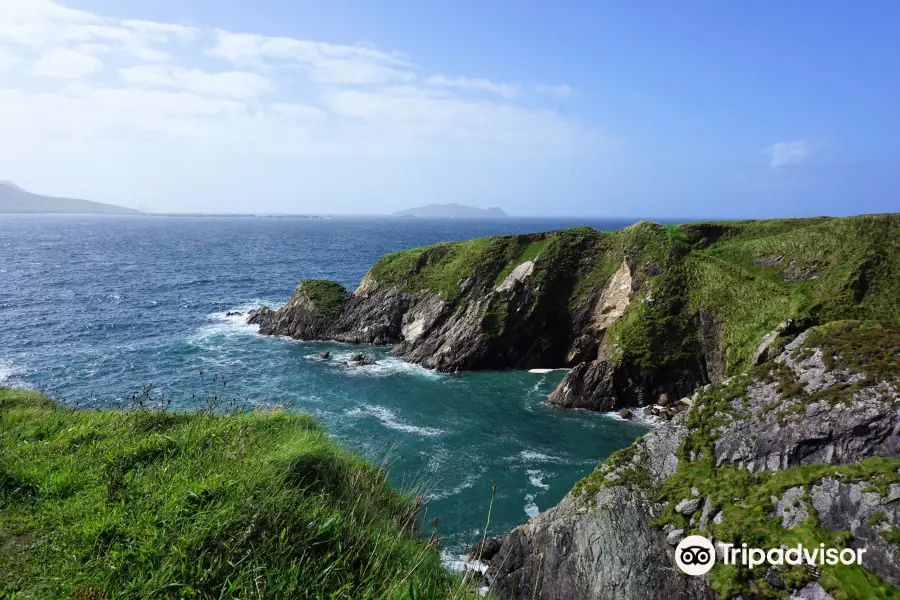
x=740 y=278
x=155 y=504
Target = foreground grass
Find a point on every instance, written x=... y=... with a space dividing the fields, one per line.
x=138 y=504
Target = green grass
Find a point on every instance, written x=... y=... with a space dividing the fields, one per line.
x=745 y=498
x=441 y=268
x=854 y=263
x=139 y=504
x=327 y=297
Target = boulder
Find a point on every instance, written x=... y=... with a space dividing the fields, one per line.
x=485 y=550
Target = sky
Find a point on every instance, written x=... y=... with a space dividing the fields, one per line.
x=656 y=109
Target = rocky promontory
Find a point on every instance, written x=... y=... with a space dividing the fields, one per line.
x=640 y=316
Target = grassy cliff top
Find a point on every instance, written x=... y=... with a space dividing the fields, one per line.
x=327 y=297
x=138 y=504
x=742 y=277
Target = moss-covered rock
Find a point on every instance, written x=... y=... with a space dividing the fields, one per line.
x=804 y=449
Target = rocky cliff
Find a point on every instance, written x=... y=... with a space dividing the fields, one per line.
x=803 y=448
x=640 y=315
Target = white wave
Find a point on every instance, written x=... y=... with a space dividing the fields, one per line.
x=531 y=509
x=545 y=371
x=436 y=460
x=537 y=479
x=389 y=419
x=461 y=562
x=385 y=366
x=221 y=324
x=637 y=416
x=7 y=371
x=532 y=456
x=468 y=482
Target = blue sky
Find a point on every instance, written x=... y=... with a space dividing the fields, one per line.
x=653 y=109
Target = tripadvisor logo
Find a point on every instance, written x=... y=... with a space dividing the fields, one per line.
x=696 y=555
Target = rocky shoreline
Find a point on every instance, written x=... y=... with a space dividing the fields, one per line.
x=776 y=388
x=765 y=428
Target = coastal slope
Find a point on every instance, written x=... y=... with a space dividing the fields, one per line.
x=147 y=503
x=803 y=448
x=640 y=316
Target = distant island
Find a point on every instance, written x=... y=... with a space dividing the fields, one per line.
x=451 y=210
x=15 y=200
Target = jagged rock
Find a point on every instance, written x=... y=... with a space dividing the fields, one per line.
x=626 y=414
x=703 y=523
x=790 y=508
x=822 y=432
x=688 y=506
x=362 y=360
x=574 y=551
x=261 y=316
x=324 y=355
x=850 y=507
x=674 y=537
x=773 y=576
x=603 y=386
x=233 y=313
x=486 y=550
x=812 y=591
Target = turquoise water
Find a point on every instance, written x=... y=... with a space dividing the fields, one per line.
x=95 y=309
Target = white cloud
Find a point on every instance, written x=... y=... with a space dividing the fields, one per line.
x=155 y=97
x=506 y=90
x=232 y=84
x=36 y=24
x=66 y=64
x=253 y=48
x=783 y=154
x=8 y=60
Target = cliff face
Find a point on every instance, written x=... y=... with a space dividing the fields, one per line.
x=641 y=315
x=804 y=448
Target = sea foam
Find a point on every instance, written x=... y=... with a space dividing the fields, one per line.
x=389 y=419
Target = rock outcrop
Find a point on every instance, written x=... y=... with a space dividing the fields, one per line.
x=638 y=314
x=803 y=447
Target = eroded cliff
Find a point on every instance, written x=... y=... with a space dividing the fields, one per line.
x=640 y=315
x=804 y=448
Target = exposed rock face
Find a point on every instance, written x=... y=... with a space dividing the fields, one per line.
x=636 y=314
x=604 y=385
x=491 y=321
x=600 y=544
x=804 y=430
x=831 y=397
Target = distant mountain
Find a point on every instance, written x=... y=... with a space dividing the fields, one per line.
x=14 y=199
x=450 y=210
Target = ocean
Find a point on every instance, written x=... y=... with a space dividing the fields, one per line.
x=94 y=310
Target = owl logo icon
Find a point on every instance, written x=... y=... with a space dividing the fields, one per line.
x=695 y=555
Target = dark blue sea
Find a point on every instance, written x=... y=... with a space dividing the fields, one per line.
x=95 y=309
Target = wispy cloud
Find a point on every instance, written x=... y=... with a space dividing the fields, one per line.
x=783 y=154
x=507 y=90
x=121 y=80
